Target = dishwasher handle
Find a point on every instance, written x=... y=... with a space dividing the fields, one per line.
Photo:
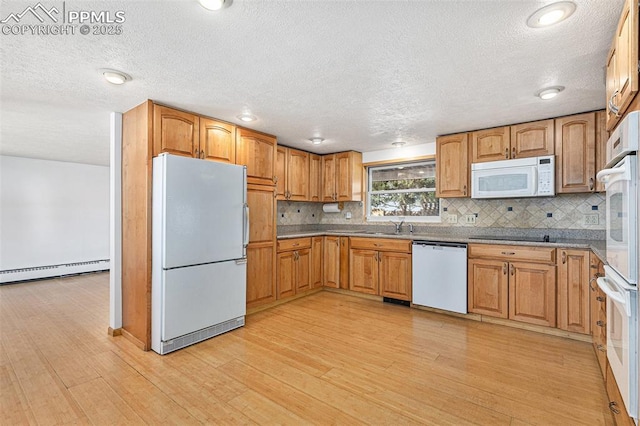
x=439 y=244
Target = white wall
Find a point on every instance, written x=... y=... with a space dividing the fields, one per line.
x=52 y=212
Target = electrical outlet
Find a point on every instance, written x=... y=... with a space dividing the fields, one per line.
x=470 y=218
x=591 y=219
x=452 y=218
x=347 y=215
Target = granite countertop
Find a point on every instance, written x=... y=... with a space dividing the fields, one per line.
x=597 y=246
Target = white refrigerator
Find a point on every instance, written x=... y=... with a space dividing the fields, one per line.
x=200 y=230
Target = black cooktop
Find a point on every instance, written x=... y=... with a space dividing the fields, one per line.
x=543 y=239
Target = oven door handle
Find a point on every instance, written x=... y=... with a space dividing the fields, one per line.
x=603 y=174
x=612 y=293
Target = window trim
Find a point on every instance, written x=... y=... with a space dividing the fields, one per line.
x=393 y=165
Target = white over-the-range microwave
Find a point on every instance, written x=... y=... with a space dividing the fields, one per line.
x=522 y=177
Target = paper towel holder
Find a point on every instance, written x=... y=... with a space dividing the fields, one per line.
x=333 y=207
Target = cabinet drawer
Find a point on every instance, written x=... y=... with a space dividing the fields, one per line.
x=526 y=253
x=294 y=244
x=381 y=244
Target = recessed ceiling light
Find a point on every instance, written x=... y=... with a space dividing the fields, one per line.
x=115 y=77
x=549 y=92
x=316 y=141
x=212 y=4
x=551 y=14
x=247 y=117
x=398 y=144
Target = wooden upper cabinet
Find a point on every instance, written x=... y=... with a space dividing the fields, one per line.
x=575 y=153
x=490 y=144
x=257 y=151
x=217 y=141
x=342 y=176
x=573 y=291
x=175 y=132
x=532 y=139
x=329 y=178
x=262 y=213
x=315 y=177
x=281 y=172
x=622 y=64
x=452 y=166
x=601 y=146
x=297 y=181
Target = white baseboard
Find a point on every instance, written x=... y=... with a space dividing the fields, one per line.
x=51 y=271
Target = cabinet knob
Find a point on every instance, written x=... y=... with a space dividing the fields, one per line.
x=202 y=154
x=591 y=184
x=464 y=190
x=564 y=257
x=601 y=348
x=612 y=107
x=504 y=268
x=600 y=323
x=600 y=299
x=275 y=179
x=513 y=152
x=513 y=270
x=506 y=153
x=508 y=253
x=613 y=406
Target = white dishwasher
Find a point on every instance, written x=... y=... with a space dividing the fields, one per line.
x=440 y=275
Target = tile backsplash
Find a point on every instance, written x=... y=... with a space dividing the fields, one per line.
x=565 y=211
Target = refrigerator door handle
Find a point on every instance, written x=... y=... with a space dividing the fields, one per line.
x=246 y=225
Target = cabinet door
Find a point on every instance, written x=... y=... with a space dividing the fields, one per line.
x=490 y=145
x=532 y=139
x=303 y=270
x=532 y=293
x=262 y=213
x=576 y=152
x=452 y=166
x=363 y=270
x=317 y=253
x=281 y=173
x=217 y=141
x=298 y=175
x=286 y=272
x=258 y=152
x=601 y=146
x=488 y=287
x=315 y=177
x=395 y=275
x=348 y=178
x=175 y=132
x=573 y=293
x=261 y=274
x=598 y=312
x=627 y=55
x=611 y=87
x=344 y=262
x=329 y=178
x=616 y=404
x=331 y=262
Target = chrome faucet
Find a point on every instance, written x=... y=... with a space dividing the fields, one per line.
x=398 y=226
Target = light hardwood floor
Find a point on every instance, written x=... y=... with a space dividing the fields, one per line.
x=323 y=359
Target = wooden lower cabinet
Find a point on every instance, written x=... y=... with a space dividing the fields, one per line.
x=261 y=270
x=293 y=266
x=598 y=313
x=317 y=264
x=331 y=262
x=532 y=293
x=503 y=282
x=616 y=404
x=374 y=268
x=488 y=287
x=573 y=291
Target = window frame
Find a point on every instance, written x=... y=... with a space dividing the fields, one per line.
x=394 y=165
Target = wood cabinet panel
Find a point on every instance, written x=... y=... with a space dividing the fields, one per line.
x=510 y=253
x=532 y=293
x=342 y=177
x=332 y=262
x=297 y=175
x=384 y=244
x=217 y=141
x=573 y=293
x=261 y=273
x=598 y=312
x=616 y=404
x=257 y=151
x=294 y=244
x=315 y=177
x=490 y=144
x=344 y=262
x=281 y=172
x=363 y=270
x=303 y=270
x=488 y=287
x=286 y=274
x=601 y=146
x=329 y=178
x=532 y=139
x=395 y=275
x=262 y=213
x=317 y=264
x=175 y=132
x=626 y=42
x=452 y=166
x=575 y=153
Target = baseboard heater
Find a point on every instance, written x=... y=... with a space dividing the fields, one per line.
x=52 y=271
x=200 y=335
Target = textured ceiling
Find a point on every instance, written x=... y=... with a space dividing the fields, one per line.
x=358 y=73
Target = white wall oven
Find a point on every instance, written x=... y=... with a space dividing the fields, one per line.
x=621 y=274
